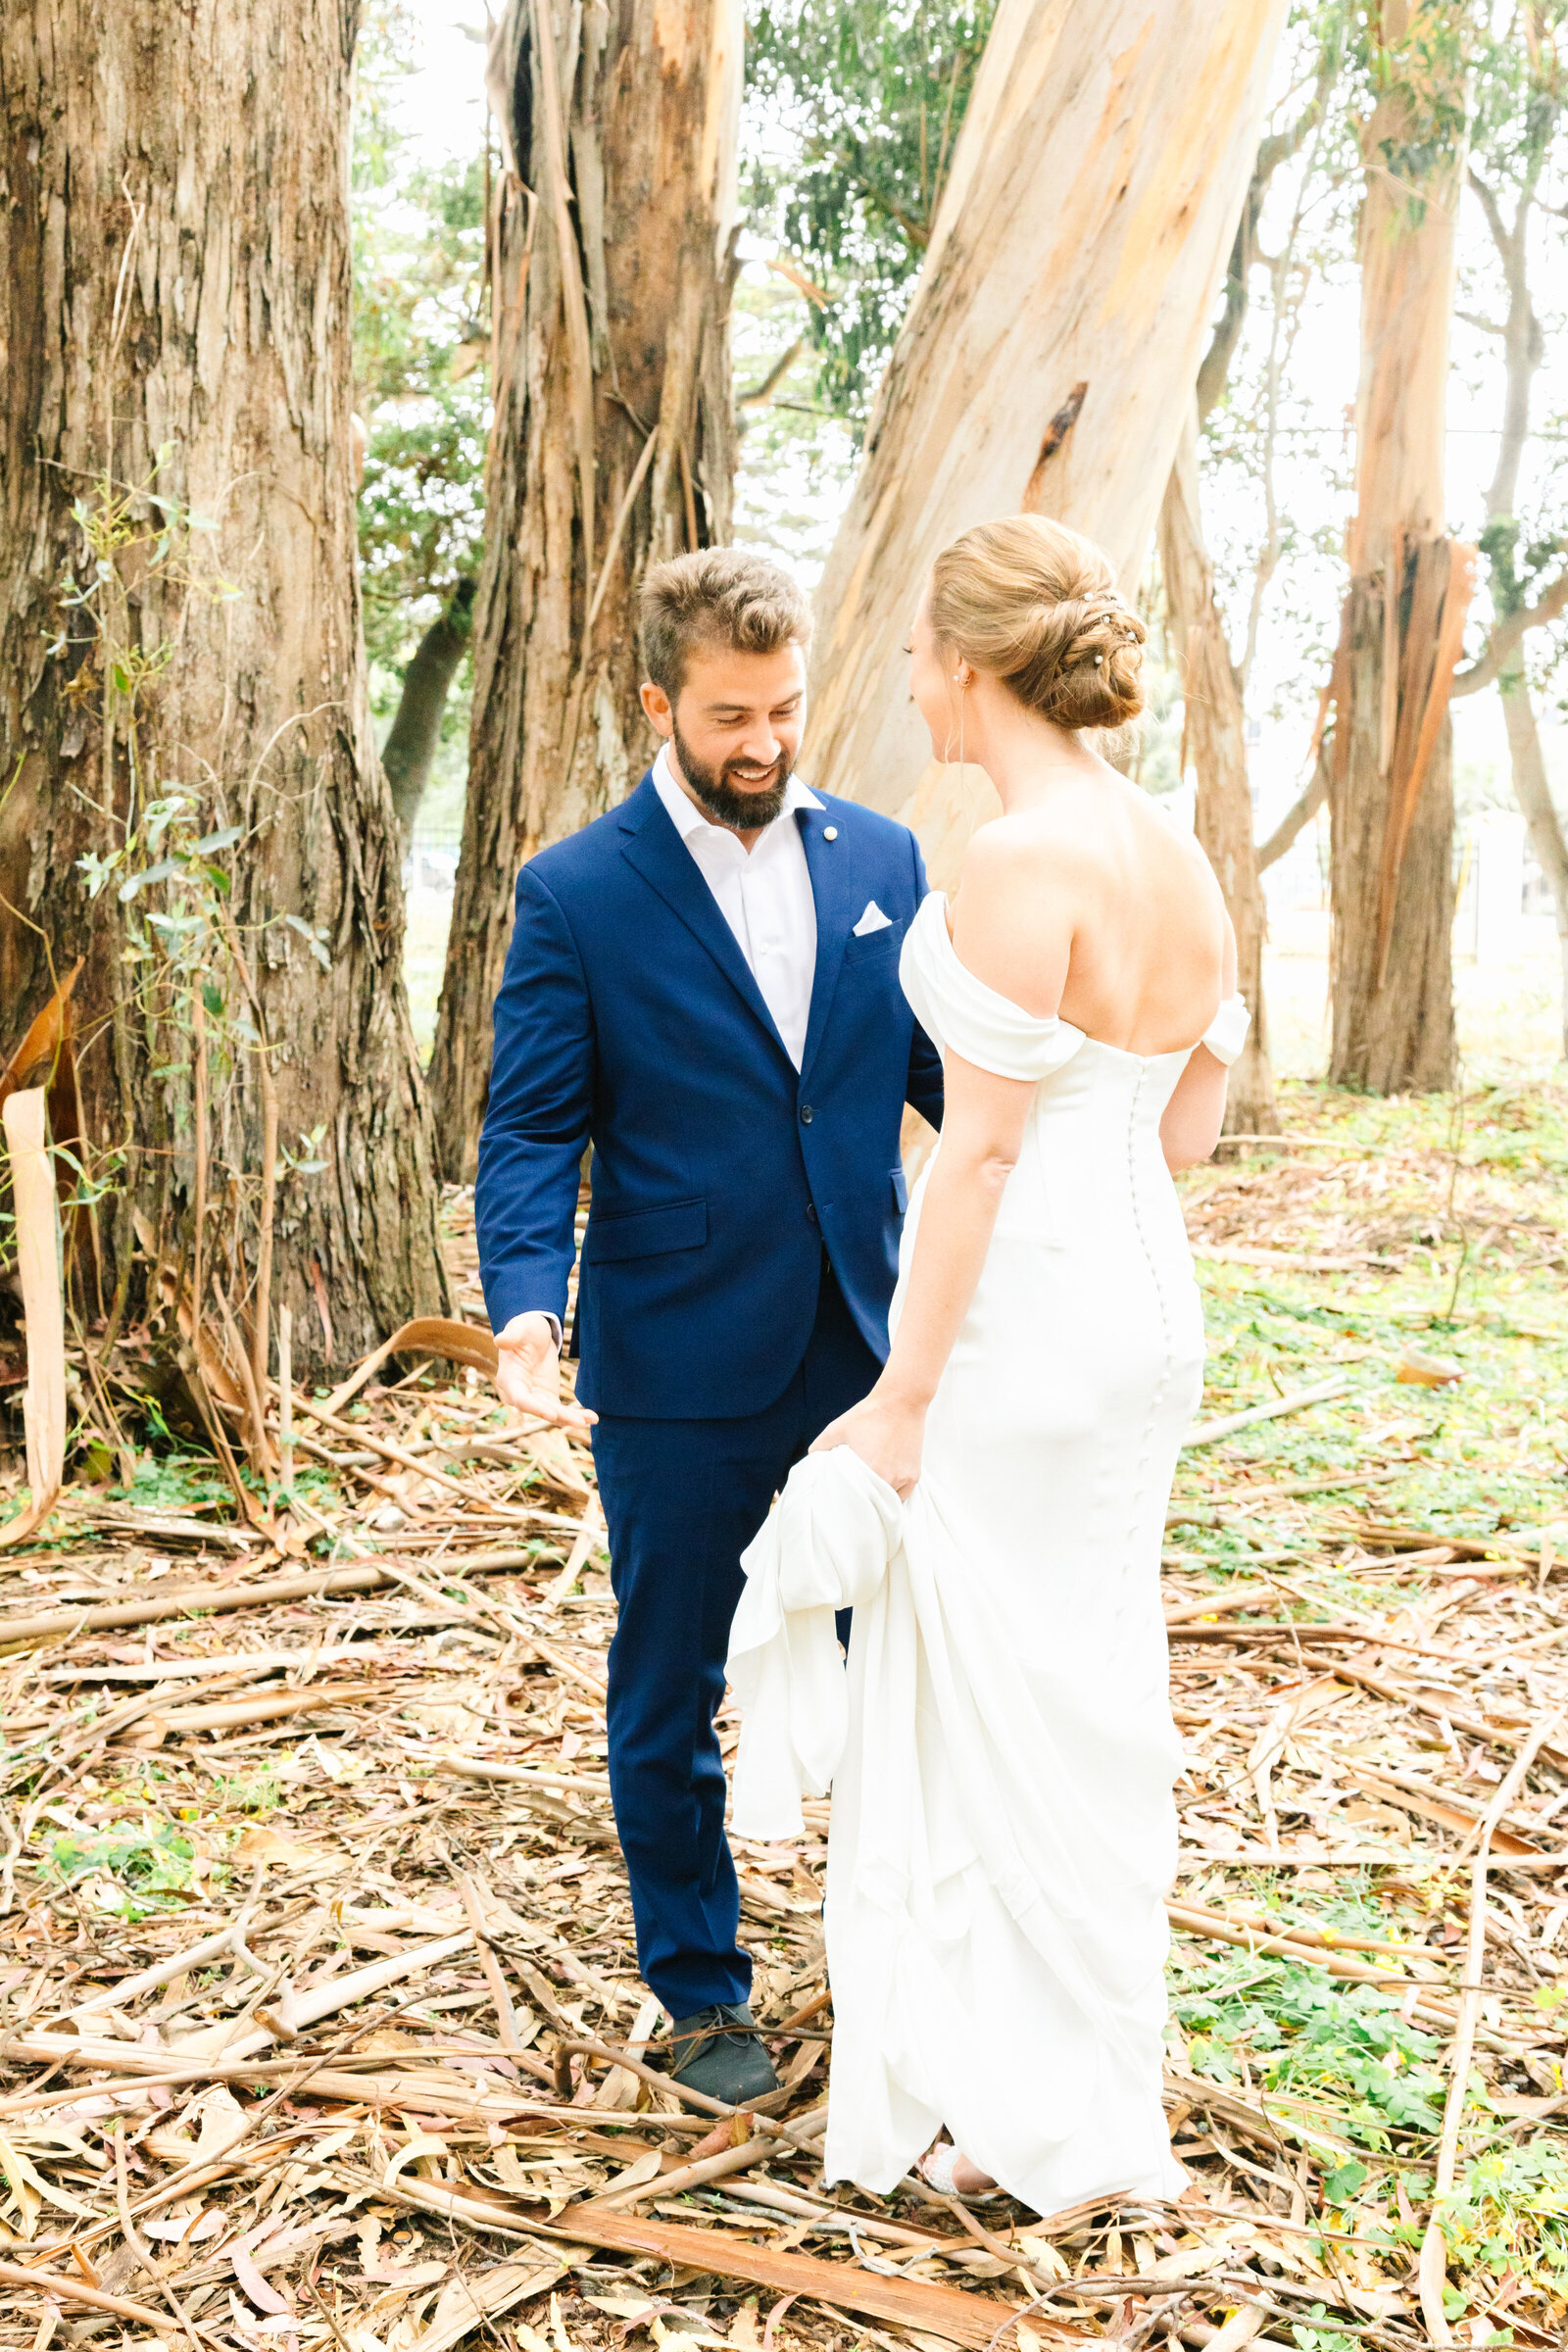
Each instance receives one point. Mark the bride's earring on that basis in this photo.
(963, 691)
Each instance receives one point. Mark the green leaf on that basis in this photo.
(314, 940)
(210, 842)
(161, 873)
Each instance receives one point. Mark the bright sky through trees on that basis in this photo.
(793, 487)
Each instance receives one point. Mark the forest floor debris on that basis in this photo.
(320, 2020)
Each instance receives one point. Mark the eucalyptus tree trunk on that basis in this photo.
(1391, 789)
(1214, 717)
(1533, 791)
(409, 752)
(1524, 349)
(612, 445)
(195, 809)
(1080, 242)
(1214, 740)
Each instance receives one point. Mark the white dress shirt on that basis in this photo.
(763, 894)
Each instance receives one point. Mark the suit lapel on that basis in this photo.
(830, 865)
(653, 846)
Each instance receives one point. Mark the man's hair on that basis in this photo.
(716, 596)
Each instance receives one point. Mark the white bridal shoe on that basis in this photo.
(938, 2168)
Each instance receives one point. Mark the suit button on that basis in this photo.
(811, 1212)
(807, 1114)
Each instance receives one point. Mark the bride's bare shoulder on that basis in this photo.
(1012, 914)
(1024, 844)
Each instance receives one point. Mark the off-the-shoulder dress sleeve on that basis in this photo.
(1226, 1033)
(960, 1012)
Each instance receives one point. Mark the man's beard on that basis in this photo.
(727, 805)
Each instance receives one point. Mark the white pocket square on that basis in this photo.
(873, 919)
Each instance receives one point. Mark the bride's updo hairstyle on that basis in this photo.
(1036, 606)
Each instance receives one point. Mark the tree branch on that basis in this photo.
(757, 393)
(1507, 635)
(1300, 816)
(1492, 209)
(1272, 152)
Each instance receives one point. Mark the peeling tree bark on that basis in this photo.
(1081, 239)
(174, 311)
(1214, 740)
(1390, 792)
(613, 441)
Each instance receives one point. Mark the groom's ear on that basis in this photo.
(657, 708)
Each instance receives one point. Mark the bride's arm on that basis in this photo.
(1196, 1113)
(982, 1131)
(1009, 902)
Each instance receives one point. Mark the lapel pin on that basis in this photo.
(830, 832)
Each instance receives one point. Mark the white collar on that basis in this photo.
(687, 818)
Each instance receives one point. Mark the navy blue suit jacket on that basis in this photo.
(629, 1018)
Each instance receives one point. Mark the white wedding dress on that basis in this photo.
(1004, 1831)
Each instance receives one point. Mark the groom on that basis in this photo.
(702, 985)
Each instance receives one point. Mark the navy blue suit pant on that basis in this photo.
(682, 1500)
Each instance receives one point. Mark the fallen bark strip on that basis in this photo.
(1207, 1430)
(1320, 1938)
(1447, 1813)
(1355, 1971)
(76, 2290)
(1316, 1629)
(224, 1712)
(1433, 2012)
(1406, 1695)
(768, 2194)
(1289, 1262)
(195, 2178)
(760, 2148)
(151, 1980)
(338, 1993)
(1390, 1537)
(489, 2296)
(1433, 2265)
(1217, 1604)
(168, 1530)
(429, 2092)
(1267, 2125)
(217, 1600)
(963, 2316)
(359, 1438)
(480, 1768)
(1354, 1858)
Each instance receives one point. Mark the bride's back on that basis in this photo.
(1115, 921)
(1082, 899)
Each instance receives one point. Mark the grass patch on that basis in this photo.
(133, 1870)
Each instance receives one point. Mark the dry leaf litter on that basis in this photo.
(317, 1958)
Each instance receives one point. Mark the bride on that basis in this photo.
(1003, 1827)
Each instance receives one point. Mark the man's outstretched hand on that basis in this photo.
(528, 1374)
